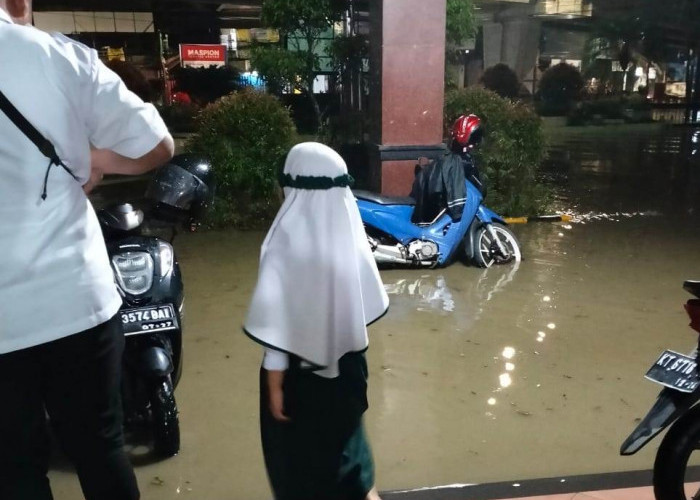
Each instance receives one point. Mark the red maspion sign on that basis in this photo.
(202, 55)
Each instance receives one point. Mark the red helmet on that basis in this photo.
(466, 131)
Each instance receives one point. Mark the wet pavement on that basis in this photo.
(534, 371)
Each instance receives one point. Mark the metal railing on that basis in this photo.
(674, 113)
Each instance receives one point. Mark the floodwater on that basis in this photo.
(475, 375)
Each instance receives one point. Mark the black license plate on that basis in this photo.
(148, 319)
(676, 371)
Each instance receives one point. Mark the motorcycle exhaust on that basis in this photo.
(386, 254)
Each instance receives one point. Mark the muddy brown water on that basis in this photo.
(475, 375)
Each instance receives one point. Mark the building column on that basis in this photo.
(407, 71)
(512, 37)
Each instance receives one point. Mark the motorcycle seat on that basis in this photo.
(383, 200)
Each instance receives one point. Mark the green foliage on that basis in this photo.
(345, 128)
(633, 33)
(304, 16)
(247, 136)
(460, 27)
(461, 21)
(559, 87)
(502, 80)
(205, 85)
(298, 20)
(512, 151)
(348, 53)
(280, 68)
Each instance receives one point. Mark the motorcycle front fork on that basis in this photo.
(494, 236)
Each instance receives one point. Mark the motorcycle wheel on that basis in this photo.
(165, 422)
(671, 463)
(486, 251)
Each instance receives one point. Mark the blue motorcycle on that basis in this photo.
(479, 237)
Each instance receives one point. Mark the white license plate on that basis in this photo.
(148, 319)
(676, 371)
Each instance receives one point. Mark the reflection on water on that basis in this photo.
(430, 293)
(582, 218)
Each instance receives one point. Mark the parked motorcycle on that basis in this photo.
(480, 236)
(148, 278)
(676, 407)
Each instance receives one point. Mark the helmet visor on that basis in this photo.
(173, 186)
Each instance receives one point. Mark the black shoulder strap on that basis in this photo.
(29, 130)
(41, 142)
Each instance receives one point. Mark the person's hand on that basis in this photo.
(96, 176)
(275, 399)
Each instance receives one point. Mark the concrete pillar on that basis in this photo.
(521, 38)
(407, 69)
(511, 36)
(493, 42)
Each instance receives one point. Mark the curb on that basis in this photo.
(538, 218)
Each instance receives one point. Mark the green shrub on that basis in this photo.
(502, 80)
(609, 107)
(559, 87)
(512, 151)
(638, 102)
(552, 108)
(247, 136)
(633, 108)
(579, 115)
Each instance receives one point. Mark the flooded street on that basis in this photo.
(475, 375)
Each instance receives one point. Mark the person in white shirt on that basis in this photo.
(60, 346)
(318, 288)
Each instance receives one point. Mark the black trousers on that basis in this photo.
(77, 381)
(323, 452)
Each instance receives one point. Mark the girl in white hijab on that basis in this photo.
(318, 288)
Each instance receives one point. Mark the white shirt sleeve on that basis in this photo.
(275, 360)
(119, 120)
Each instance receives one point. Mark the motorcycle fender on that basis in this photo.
(470, 237)
(154, 362)
(487, 215)
(669, 405)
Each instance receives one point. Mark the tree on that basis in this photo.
(652, 30)
(349, 54)
(461, 22)
(559, 87)
(639, 35)
(459, 28)
(300, 23)
(502, 80)
(279, 67)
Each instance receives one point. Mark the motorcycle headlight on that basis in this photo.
(134, 271)
(166, 258)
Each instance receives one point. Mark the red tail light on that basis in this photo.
(693, 309)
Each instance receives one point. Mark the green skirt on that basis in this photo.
(323, 453)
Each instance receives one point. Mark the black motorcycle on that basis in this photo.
(676, 404)
(148, 278)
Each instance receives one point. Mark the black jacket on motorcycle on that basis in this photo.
(440, 185)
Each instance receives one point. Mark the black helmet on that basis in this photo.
(183, 188)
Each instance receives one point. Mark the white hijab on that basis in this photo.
(318, 285)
